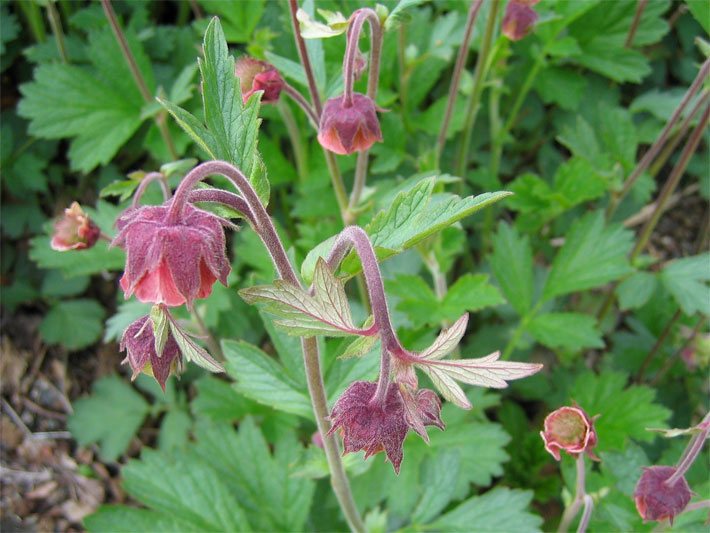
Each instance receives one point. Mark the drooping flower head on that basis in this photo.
(374, 426)
(171, 259)
(349, 127)
(657, 500)
(519, 18)
(569, 429)
(74, 231)
(139, 343)
(255, 75)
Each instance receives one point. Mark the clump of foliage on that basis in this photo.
(352, 163)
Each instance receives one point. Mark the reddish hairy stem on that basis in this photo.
(302, 103)
(579, 500)
(227, 198)
(314, 377)
(640, 6)
(691, 452)
(147, 180)
(305, 60)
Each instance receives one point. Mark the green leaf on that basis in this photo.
(687, 280)
(636, 290)
(500, 509)
(190, 349)
(124, 519)
(161, 327)
(111, 399)
(174, 430)
(191, 491)
(324, 312)
(77, 262)
(263, 483)
(126, 313)
(439, 474)
(414, 215)
(571, 331)
(218, 401)
(399, 14)
(512, 266)
(74, 324)
(262, 379)
(592, 255)
(234, 125)
(700, 9)
(99, 108)
(625, 413)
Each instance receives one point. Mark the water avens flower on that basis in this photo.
(347, 127)
(173, 255)
(519, 19)
(74, 230)
(657, 500)
(139, 343)
(255, 75)
(372, 424)
(569, 429)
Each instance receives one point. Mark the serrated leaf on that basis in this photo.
(126, 313)
(262, 379)
(624, 412)
(193, 351)
(263, 482)
(324, 312)
(124, 189)
(218, 401)
(77, 262)
(111, 399)
(439, 474)
(687, 280)
(512, 266)
(124, 519)
(571, 331)
(161, 327)
(592, 255)
(74, 324)
(500, 509)
(399, 14)
(360, 346)
(636, 290)
(190, 491)
(414, 215)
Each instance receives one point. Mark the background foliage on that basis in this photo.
(565, 115)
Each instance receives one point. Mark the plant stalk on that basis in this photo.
(691, 452)
(267, 232)
(640, 6)
(456, 77)
(478, 82)
(137, 76)
(657, 145)
(580, 498)
(55, 22)
(657, 345)
(294, 135)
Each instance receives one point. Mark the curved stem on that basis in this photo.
(579, 497)
(586, 514)
(302, 103)
(372, 83)
(137, 75)
(662, 137)
(147, 180)
(305, 60)
(227, 198)
(691, 452)
(267, 232)
(456, 77)
(478, 82)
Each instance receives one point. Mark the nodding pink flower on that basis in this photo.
(349, 127)
(139, 343)
(569, 429)
(255, 75)
(373, 426)
(655, 499)
(171, 260)
(74, 231)
(519, 18)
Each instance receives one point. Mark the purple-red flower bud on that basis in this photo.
(519, 18)
(569, 429)
(368, 425)
(656, 500)
(74, 231)
(139, 343)
(345, 129)
(171, 262)
(255, 75)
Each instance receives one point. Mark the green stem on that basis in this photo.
(456, 77)
(520, 329)
(55, 22)
(478, 83)
(34, 19)
(294, 135)
(137, 75)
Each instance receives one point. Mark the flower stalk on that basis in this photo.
(581, 498)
